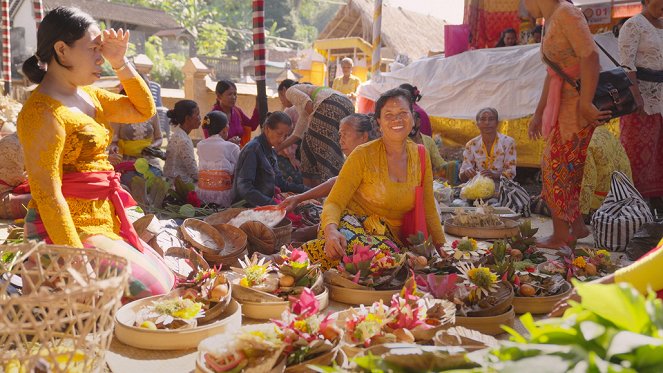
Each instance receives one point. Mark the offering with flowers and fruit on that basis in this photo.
(410, 316)
(423, 256)
(476, 291)
(310, 338)
(252, 348)
(209, 287)
(583, 263)
(365, 276)
(264, 288)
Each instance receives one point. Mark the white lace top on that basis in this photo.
(641, 45)
(180, 157)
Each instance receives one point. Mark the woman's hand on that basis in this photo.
(113, 148)
(335, 243)
(468, 174)
(290, 203)
(114, 46)
(535, 127)
(594, 116)
(235, 140)
(491, 174)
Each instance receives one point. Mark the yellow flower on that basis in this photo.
(301, 325)
(605, 253)
(482, 277)
(244, 282)
(580, 262)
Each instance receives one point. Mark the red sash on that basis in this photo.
(103, 185)
(22, 188)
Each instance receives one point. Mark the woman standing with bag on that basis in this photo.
(640, 49)
(565, 117)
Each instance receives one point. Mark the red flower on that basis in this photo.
(454, 244)
(530, 269)
(192, 199)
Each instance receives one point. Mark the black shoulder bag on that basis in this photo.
(613, 91)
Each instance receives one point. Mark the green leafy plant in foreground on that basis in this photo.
(613, 329)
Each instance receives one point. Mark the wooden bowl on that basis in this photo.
(357, 297)
(504, 294)
(231, 319)
(488, 325)
(203, 236)
(274, 310)
(507, 230)
(540, 305)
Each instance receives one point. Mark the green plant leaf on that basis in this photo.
(187, 211)
(591, 330)
(618, 304)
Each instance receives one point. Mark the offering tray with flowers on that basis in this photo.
(535, 293)
(367, 275)
(482, 301)
(171, 322)
(583, 263)
(410, 316)
(301, 336)
(263, 288)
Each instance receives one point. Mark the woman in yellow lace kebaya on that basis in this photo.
(64, 130)
(376, 188)
(490, 154)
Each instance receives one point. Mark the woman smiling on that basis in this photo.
(376, 188)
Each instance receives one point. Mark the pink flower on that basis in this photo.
(306, 305)
(454, 244)
(298, 256)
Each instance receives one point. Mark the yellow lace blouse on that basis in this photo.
(364, 187)
(58, 140)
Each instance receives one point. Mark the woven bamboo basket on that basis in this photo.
(223, 217)
(61, 307)
(236, 246)
(203, 236)
(267, 240)
(127, 333)
(540, 305)
(488, 325)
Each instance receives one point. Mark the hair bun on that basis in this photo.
(170, 114)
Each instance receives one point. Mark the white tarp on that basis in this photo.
(508, 79)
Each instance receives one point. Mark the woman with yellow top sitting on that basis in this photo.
(376, 188)
(348, 83)
(64, 129)
(490, 154)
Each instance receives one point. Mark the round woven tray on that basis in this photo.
(230, 319)
(203, 237)
(357, 297)
(273, 310)
(488, 325)
(540, 305)
(223, 217)
(236, 246)
(508, 230)
(267, 240)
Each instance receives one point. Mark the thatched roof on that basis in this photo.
(104, 10)
(404, 31)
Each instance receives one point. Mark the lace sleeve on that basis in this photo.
(43, 139)
(574, 27)
(629, 40)
(137, 106)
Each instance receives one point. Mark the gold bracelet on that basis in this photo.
(124, 66)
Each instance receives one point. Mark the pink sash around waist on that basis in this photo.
(553, 101)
